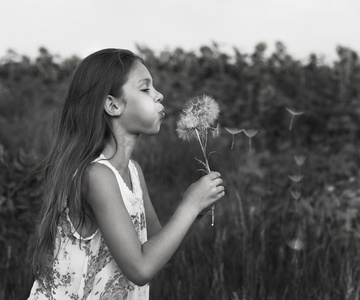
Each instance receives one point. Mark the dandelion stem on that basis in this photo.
(206, 139)
(207, 169)
(213, 215)
(199, 115)
(203, 151)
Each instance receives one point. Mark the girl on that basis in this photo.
(99, 236)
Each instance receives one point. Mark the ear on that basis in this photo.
(113, 106)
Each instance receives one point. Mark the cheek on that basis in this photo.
(145, 109)
(142, 111)
(141, 118)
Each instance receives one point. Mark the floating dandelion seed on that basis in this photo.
(196, 121)
(250, 133)
(293, 113)
(233, 132)
(235, 296)
(216, 131)
(296, 194)
(300, 159)
(296, 178)
(296, 244)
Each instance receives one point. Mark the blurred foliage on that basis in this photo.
(245, 254)
(253, 91)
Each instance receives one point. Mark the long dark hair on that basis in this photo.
(80, 135)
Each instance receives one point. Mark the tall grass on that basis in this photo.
(245, 255)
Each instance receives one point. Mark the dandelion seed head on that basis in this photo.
(199, 114)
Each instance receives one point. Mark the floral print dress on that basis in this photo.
(84, 269)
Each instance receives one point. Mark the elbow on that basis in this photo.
(140, 281)
(141, 276)
(139, 270)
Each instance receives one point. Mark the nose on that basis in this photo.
(159, 97)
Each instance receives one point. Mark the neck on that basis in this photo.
(120, 157)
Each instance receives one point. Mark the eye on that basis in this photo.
(145, 90)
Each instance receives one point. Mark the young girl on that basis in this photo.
(99, 236)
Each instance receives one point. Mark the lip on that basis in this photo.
(162, 114)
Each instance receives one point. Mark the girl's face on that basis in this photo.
(143, 111)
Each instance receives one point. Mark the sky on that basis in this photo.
(80, 27)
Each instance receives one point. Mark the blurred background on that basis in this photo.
(285, 74)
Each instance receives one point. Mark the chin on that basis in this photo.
(152, 131)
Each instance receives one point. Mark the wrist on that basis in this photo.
(188, 210)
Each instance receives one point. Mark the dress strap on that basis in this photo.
(135, 181)
(134, 176)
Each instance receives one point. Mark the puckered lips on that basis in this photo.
(162, 114)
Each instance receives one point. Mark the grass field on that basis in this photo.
(265, 243)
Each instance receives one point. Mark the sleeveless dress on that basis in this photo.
(84, 268)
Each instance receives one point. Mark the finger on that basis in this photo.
(220, 195)
(220, 189)
(216, 197)
(214, 175)
(218, 181)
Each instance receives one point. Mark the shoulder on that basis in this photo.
(98, 171)
(101, 181)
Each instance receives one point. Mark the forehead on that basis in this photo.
(138, 73)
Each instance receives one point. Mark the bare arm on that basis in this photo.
(152, 220)
(140, 262)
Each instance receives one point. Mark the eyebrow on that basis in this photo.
(145, 80)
